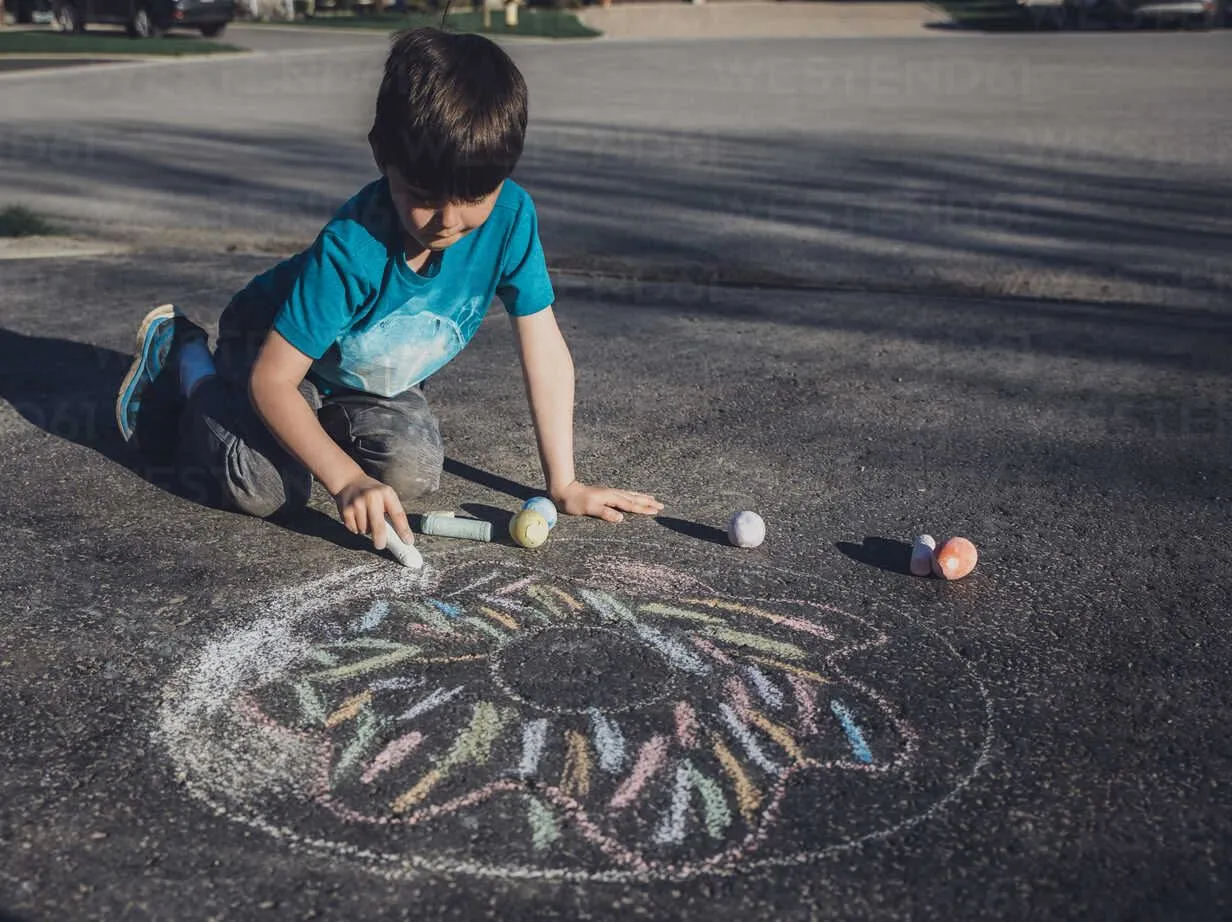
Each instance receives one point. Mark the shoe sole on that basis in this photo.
(161, 312)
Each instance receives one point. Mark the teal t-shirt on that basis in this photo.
(370, 322)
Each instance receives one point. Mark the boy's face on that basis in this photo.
(436, 225)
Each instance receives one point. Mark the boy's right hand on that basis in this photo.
(363, 505)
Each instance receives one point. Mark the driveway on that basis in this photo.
(737, 19)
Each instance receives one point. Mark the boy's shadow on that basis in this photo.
(495, 482)
(68, 389)
(882, 553)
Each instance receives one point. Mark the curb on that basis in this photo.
(12, 248)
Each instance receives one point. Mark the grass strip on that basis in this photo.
(20, 221)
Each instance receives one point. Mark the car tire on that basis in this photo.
(67, 18)
(143, 25)
(213, 30)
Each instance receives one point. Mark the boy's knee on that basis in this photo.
(264, 505)
(409, 460)
(255, 485)
(399, 445)
(228, 456)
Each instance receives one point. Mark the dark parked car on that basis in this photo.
(27, 11)
(145, 18)
(1081, 14)
(1194, 14)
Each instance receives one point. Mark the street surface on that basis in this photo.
(871, 288)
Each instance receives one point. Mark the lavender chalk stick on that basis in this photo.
(922, 555)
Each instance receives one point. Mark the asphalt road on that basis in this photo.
(1000, 312)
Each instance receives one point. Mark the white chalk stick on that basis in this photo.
(406, 554)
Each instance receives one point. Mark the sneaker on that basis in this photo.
(147, 407)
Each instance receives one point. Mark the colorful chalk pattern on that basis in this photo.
(390, 718)
(415, 722)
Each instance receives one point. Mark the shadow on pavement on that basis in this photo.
(882, 553)
(316, 524)
(845, 201)
(721, 205)
(693, 529)
(487, 479)
(68, 390)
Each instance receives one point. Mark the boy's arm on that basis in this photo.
(363, 502)
(547, 369)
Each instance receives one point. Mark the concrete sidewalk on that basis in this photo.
(763, 20)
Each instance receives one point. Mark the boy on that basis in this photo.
(319, 365)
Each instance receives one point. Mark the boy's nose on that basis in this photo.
(450, 217)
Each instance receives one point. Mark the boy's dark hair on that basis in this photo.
(450, 114)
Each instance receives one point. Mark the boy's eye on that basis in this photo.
(411, 192)
(421, 200)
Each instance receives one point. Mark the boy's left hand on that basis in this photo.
(603, 502)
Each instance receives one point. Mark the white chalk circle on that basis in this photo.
(599, 717)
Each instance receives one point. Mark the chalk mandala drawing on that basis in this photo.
(626, 722)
